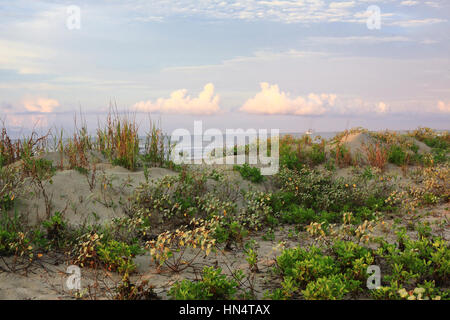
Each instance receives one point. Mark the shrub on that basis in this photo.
(296, 214)
(12, 151)
(317, 154)
(169, 248)
(257, 211)
(316, 275)
(93, 250)
(11, 186)
(173, 196)
(213, 286)
(334, 287)
(249, 173)
(127, 290)
(397, 156)
(230, 231)
(55, 227)
(419, 260)
(305, 266)
(118, 256)
(439, 155)
(353, 259)
(322, 192)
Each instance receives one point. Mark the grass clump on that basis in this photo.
(249, 173)
(397, 156)
(119, 140)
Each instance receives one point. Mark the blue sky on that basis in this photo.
(253, 64)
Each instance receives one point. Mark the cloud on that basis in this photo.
(42, 105)
(340, 5)
(417, 22)
(179, 102)
(284, 11)
(358, 40)
(443, 107)
(22, 57)
(271, 101)
(409, 3)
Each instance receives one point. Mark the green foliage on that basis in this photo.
(340, 270)
(397, 155)
(249, 173)
(437, 142)
(118, 256)
(11, 186)
(119, 140)
(251, 255)
(317, 154)
(14, 238)
(55, 227)
(173, 196)
(38, 168)
(416, 261)
(322, 192)
(213, 286)
(334, 287)
(94, 250)
(229, 231)
(353, 259)
(289, 159)
(314, 274)
(304, 266)
(257, 211)
(440, 144)
(440, 155)
(298, 215)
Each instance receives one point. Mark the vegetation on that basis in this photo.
(249, 173)
(331, 212)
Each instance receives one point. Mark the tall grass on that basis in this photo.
(377, 154)
(12, 151)
(119, 139)
(158, 148)
(78, 146)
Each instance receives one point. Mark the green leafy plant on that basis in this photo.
(213, 286)
(249, 173)
(397, 155)
(334, 287)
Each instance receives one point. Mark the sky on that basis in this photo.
(284, 64)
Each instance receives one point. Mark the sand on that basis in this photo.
(70, 193)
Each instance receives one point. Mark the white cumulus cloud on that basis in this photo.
(443, 107)
(43, 105)
(270, 100)
(180, 102)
